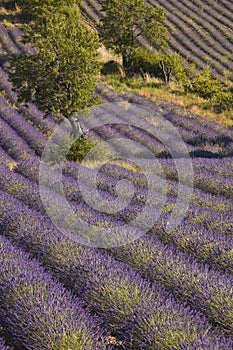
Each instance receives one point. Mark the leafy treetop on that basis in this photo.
(125, 21)
(61, 78)
(37, 9)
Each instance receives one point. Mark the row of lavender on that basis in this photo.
(3, 345)
(37, 311)
(191, 122)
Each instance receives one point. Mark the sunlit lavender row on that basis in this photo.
(112, 289)
(28, 291)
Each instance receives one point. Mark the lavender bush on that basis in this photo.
(37, 311)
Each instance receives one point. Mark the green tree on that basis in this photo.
(172, 67)
(36, 9)
(125, 21)
(61, 78)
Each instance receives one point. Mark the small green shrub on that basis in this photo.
(223, 101)
(142, 61)
(204, 84)
(80, 148)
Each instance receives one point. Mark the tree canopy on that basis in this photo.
(35, 9)
(125, 21)
(61, 78)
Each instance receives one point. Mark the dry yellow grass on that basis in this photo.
(12, 165)
(191, 103)
(156, 90)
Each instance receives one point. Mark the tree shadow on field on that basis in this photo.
(221, 148)
(10, 13)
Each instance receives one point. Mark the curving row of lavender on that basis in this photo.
(6, 41)
(189, 120)
(202, 35)
(163, 291)
(190, 236)
(121, 297)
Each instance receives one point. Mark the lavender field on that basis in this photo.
(201, 31)
(165, 290)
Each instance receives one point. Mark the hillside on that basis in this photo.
(131, 249)
(201, 31)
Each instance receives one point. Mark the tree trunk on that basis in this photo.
(126, 64)
(161, 64)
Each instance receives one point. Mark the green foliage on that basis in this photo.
(125, 21)
(80, 148)
(172, 66)
(142, 61)
(38, 9)
(111, 67)
(208, 87)
(61, 78)
(8, 4)
(223, 101)
(204, 84)
(169, 66)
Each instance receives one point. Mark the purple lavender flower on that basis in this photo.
(37, 310)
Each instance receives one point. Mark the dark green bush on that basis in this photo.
(111, 67)
(142, 61)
